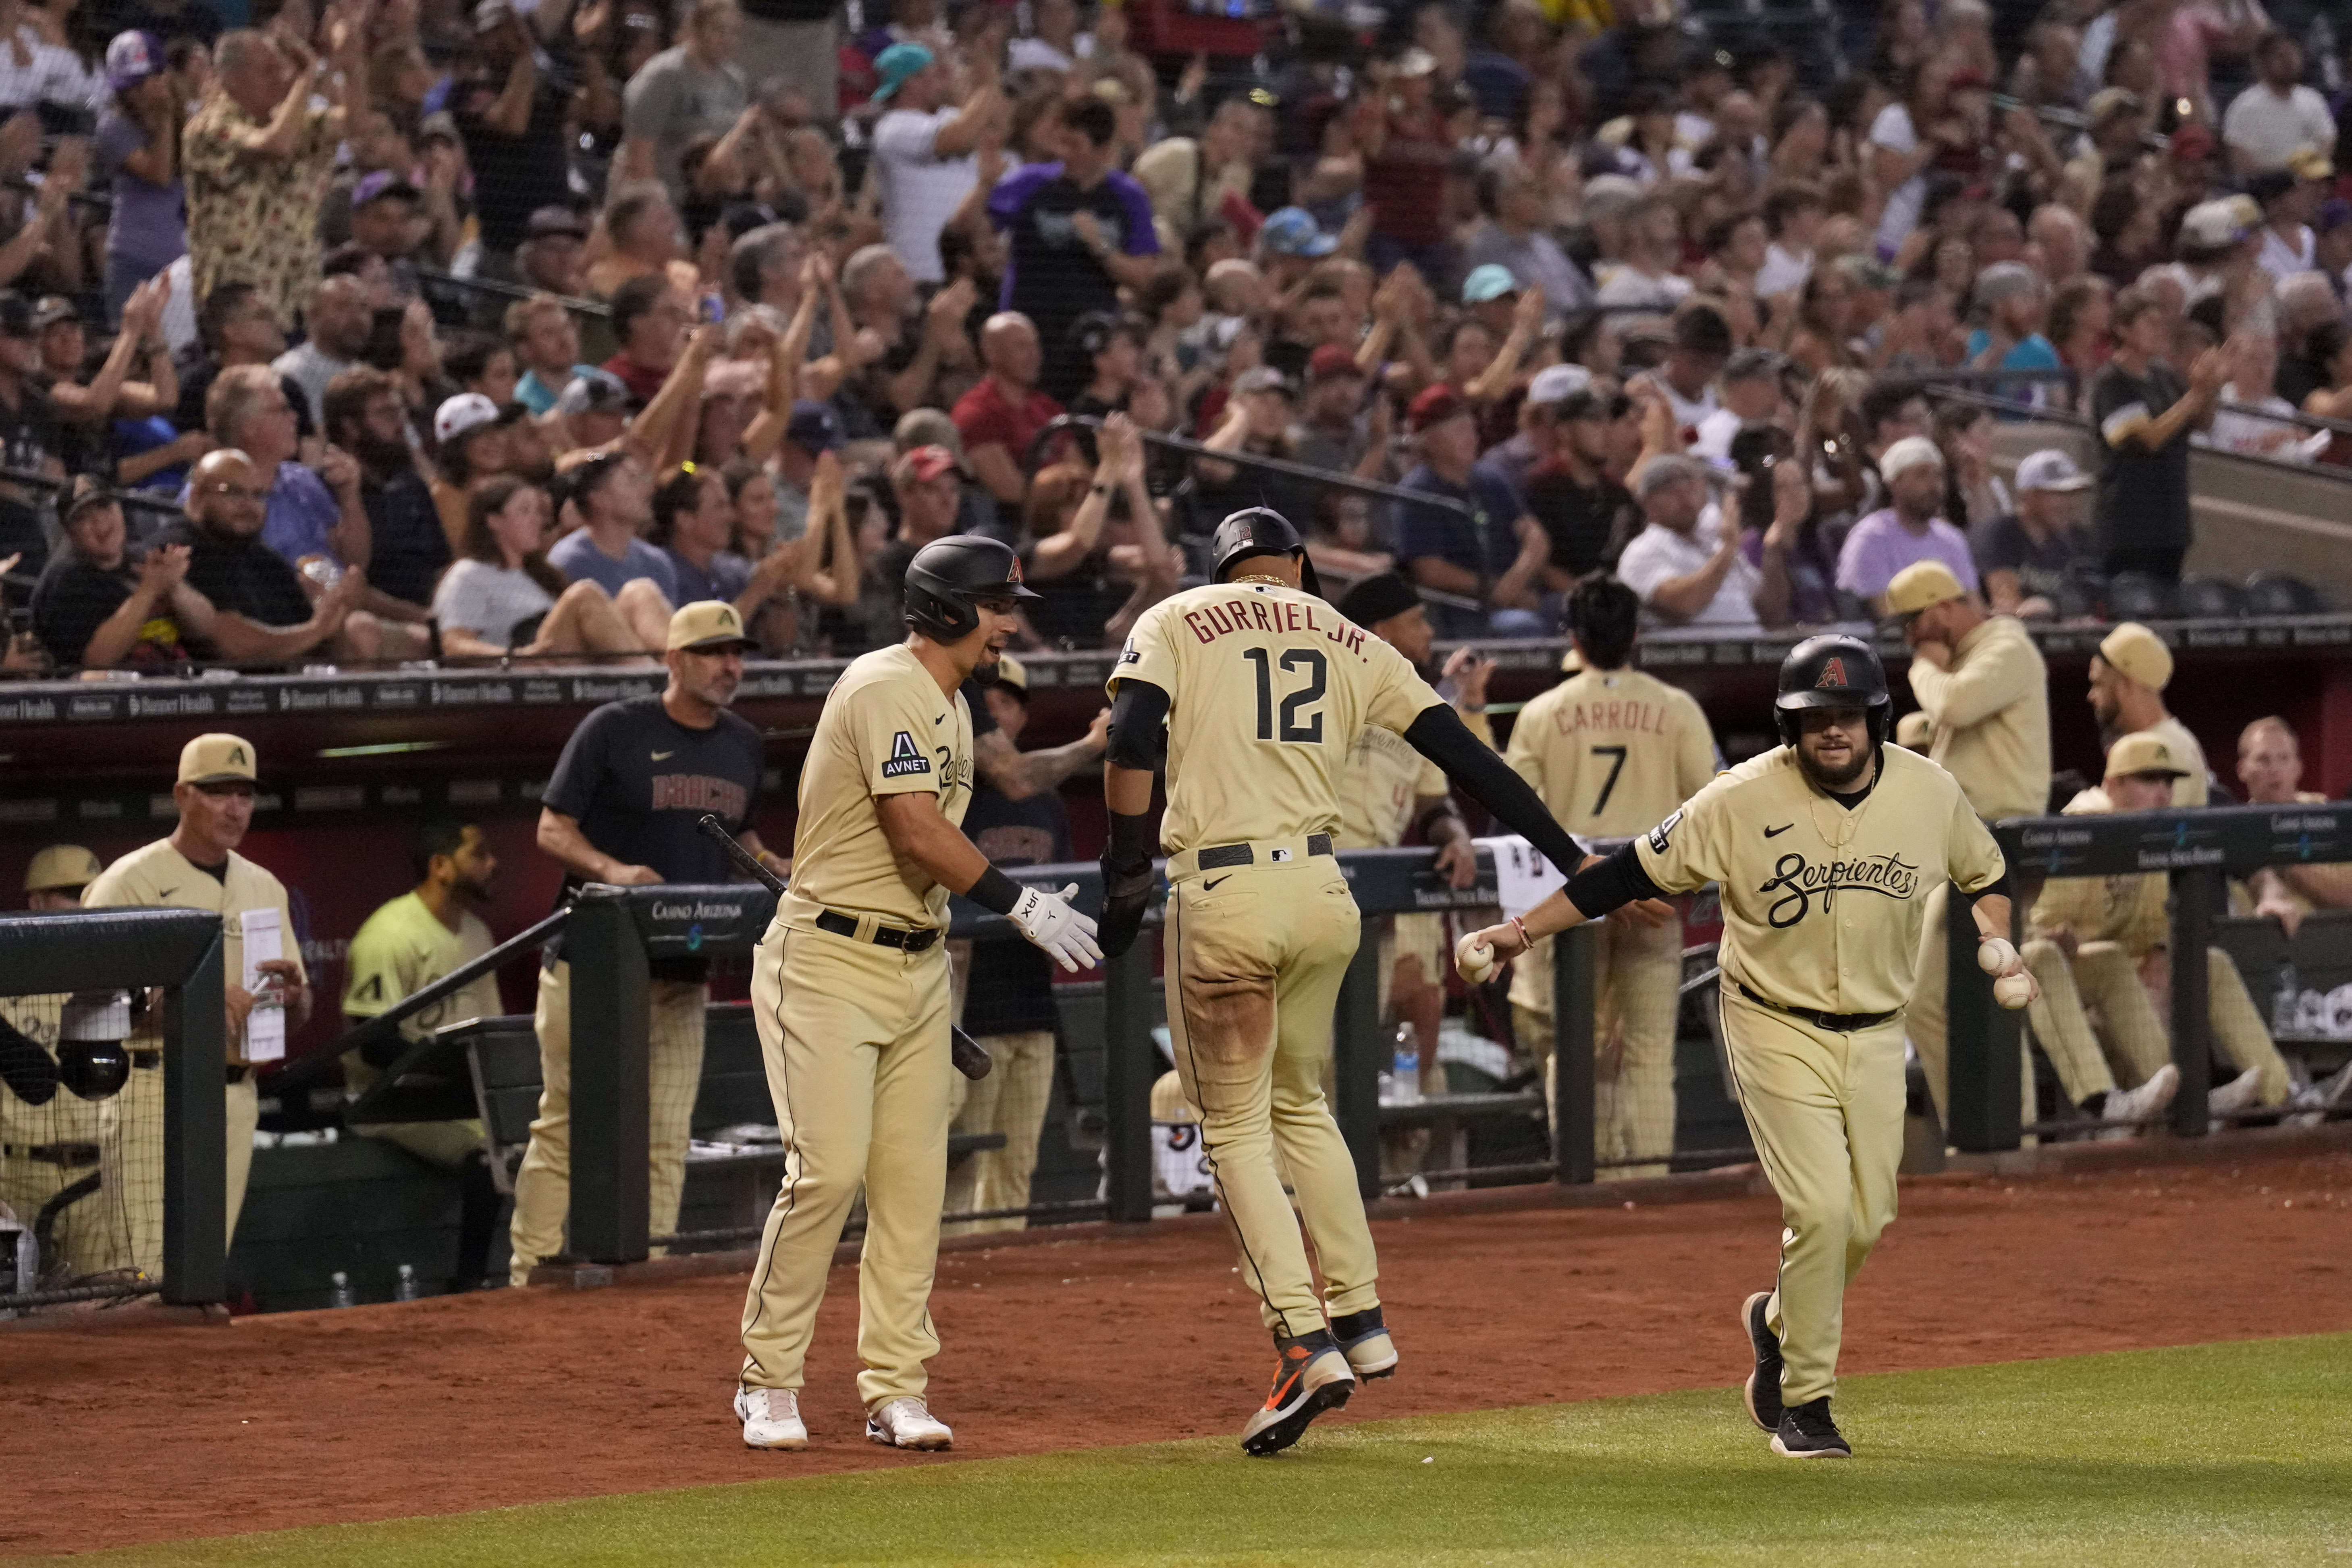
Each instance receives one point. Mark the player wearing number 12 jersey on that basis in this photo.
(1261, 689)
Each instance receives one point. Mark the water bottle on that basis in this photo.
(406, 1289)
(2288, 1000)
(1406, 1071)
(341, 1294)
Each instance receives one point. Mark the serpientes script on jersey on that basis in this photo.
(1800, 882)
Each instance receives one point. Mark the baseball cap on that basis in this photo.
(132, 59)
(815, 427)
(1922, 585)
(1261, 378)
(1909, 452)
(1558, 382)
(1011, 675)
(2005, 281)
(1610, 196)
(1378, 598)
(2050, 470)
(897, 65)
(706, 625)
(1435, 406)
(549, 222)
(2112, 100)
(216, 759)
(2310, 163)
(592, 391)
(87, 492)
(1660, 472)
(439, 125)
(462, 416)
(1292, 231)
(2213, 225)
(52, 310)
(923, 464)
(2142, 752)
(2137, 652)
(61, 866)
(380, 185)
(1491, 281)
(1330, 362)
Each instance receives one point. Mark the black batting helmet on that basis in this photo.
(1832, 672)
(948, 577)
(93, 1069)
(1261, 531)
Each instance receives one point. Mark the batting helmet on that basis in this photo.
(1261, 531)
(1832, 672)
(948, 577)
(93, 1069)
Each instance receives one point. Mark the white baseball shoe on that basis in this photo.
(770, 1417)
(2138, 1104)
(903, 1423)
(2243, 1092)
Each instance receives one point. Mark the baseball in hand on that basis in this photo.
(1474, 958)
(2013, 991)
(1996, 956)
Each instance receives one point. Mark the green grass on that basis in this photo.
(2232, 1453)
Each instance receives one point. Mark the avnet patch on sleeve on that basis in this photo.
(1658, 834)
(906, 757)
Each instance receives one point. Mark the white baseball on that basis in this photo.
(1474, 958)
(2013, 991)
(1996, 956)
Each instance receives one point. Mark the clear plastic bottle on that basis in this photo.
(406, 1289)
(1405, 1070)
(341, 1294)
(2288, 1000)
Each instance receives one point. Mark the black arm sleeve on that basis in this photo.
(1999, 888)
(1617, 881)
(1440, 735)
(1138, 715)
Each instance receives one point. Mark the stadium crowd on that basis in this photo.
(398, 329)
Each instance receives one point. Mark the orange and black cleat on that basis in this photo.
(1312, 1377)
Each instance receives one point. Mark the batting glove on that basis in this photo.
(1127, 894)
(1049, 922)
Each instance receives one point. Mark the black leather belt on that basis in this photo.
(884, 936)
(1240, 855)
(1836, 1023)
(66, 1154)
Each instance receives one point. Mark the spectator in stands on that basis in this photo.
(1002, 415)
(1749, 393)
(2290, 198)
(554, 242)
(2305, 303)
(693, 88)
(95, 608)
(1100, 557)
(250, 605)
(643, 239)
(1589, 516)
(2016, 307)
(1257, 422)
(2129, 675)
(2277, 116)
(1512, 235)
(546, 349)
(510, 116)
(138, 152)
(386, 212)
(694, 525)
(614, 499)
(925, 148)
(1910, 528)
(591, 412)
(1974, 494)
(471, 435)
(257, 156)
(340, 321)
(2253, 355)
(650, 325)
(2031, 557)
(102, 414)
(1336, 430)
(1193, 181)
(1494, 556)
(1687, 563)
(502, 597)
(247, 409)
(2145, 414)
(409, 547)
(237, 326)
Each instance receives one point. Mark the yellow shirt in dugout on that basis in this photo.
(2131, 909)
(1383, 779)
(1991, 716)
(1822, 906)
(886, 729)
(157, 876)
(403, 948)
(1268, 690)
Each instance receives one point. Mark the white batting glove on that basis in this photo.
(1051, 922)
(1474, 959)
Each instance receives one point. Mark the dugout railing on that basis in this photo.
(111, 997)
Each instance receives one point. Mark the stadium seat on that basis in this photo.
(2208, 599)
(2282, 594)
(2132, 596)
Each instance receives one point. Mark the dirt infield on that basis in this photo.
(521, 1396)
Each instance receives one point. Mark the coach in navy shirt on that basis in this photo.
(1496, 554)
(1078, 231)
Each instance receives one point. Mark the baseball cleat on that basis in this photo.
(903, 1423)
(1312, 1377)
(1763, 1388)
(770, 1417)
(1365, 1340)
(2142, 1102)
(2244, 1092)
(1806, 1432)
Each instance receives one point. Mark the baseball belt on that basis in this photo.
(884, 936)
(1835, 1023)
(1242, 855)
(69, 1155)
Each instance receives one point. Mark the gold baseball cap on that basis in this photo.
(2138, 653)
(1922, 585)
(216, 759)
(1009, 672)
(61, 866)
(2142, 752)
(706, 625)
(1914, 731)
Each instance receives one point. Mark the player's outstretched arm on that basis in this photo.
(919, 831)
(1439, 734)
(1600, 885)
(1137, 752)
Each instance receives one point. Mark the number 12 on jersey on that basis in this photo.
(1298, 721)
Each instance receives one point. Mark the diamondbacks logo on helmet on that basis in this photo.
(1015, 575)
(1833, 675)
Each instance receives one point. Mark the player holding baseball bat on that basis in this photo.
(1826, 849)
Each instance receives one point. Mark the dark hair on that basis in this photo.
(1885, 399)
(440, 836)
(1166, 286)
(489, 499)
(465, 355)
(1603, 615)
(681, 492)
(1579, 333)
(1091, 118)
(347, 397)
(1718, 238)
(2325, 341)
(2113, 209)
(636, 298)
(457, 457)
(1789, 200)
(219, 305)
(2071, 298)
(2130, 305)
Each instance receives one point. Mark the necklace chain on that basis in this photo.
(1260, 577)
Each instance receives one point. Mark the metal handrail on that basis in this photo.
(1326, 477)
(578, 307)
(2080, 422)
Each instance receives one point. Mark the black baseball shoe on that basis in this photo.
(1312, 1377)
(1763, 1389)
(1365, 1339)
(1807, 1432)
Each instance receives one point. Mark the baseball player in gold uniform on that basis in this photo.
(851, 996)
(198, 867)
(1985, 692)
(50, 1141)
(1262, 689)
(1610, 751)
(2129, 675)
(1825, 849)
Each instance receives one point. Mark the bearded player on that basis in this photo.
(1825, 849)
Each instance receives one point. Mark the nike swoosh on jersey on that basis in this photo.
(1775, 832)
(665, 756)
(165, 892)
(940, 720)
(1206, 887)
